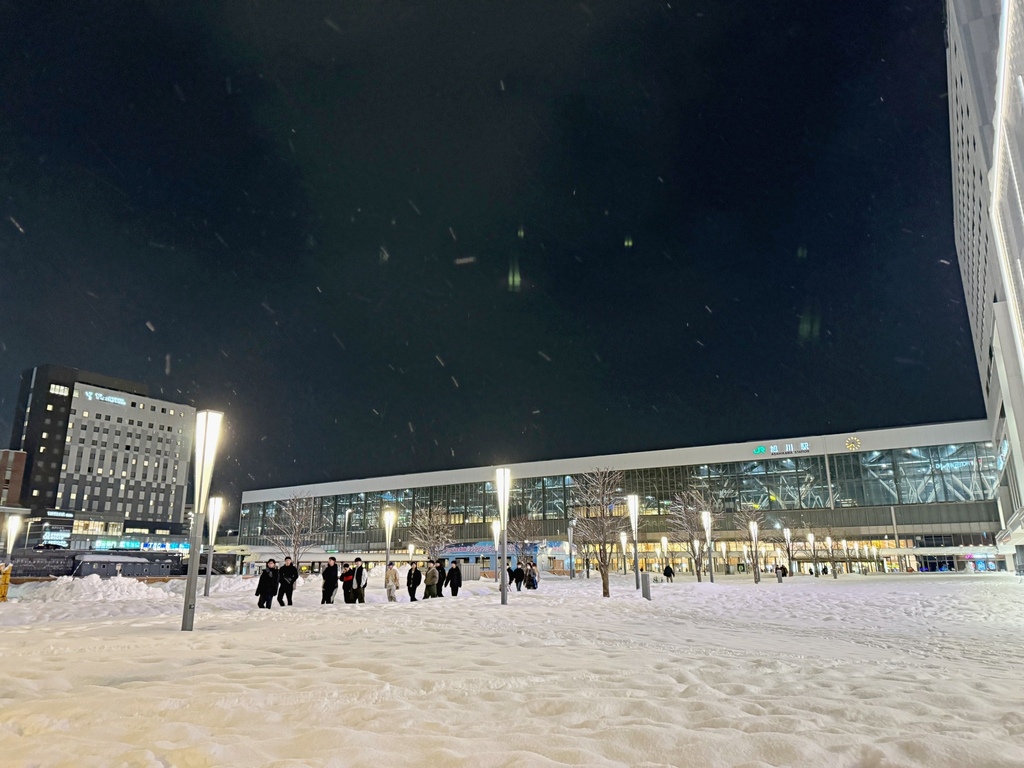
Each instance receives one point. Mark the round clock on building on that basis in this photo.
(852, 443)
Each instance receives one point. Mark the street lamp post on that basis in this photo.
(846, 557)
(814, 553)
(208, 424)
(706, 519)
(13, 524)
(503, 482)
(753, 539)
(789, 548)
(664, 548)
(412, 549)
(831, 556)
(389, 526)
(622, 545)
(215, 506)
(344, 545)
(634, 518)
(496, 530)
(572, 570)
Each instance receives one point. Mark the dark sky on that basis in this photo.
(305, 214)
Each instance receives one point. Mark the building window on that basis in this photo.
(59, 389)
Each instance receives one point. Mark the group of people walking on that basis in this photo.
(352, 580)
(434, 578)
(527, 575)
(278, 582)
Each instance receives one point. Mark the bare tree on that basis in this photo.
(295, 524)
(431, 531)
(745, 519)
(521, 531)
(686, 523)
(596, 499)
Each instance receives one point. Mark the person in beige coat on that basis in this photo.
(391, 582)
(430, 582)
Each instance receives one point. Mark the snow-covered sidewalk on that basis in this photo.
(863, 671)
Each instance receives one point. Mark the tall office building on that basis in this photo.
(985, 66)
(100, 451)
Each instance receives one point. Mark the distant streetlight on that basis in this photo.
(215, 506)
(13, 525)
(344, 545)
(389, 526)
(622, 543)
(789, 548)
(814, 553)
(706, 519)
(412, 548)
(664, 548)
(496, 530)
(634, 518)
(846, 556)
(697, 559)
(503, 483)
(208, 424)
(570, 527)
(831, 556)
(753, 539)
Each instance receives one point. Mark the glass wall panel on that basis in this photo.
(403, 505)
(919, 480)
(554, 498)
(532, 499)
(327, 512)
(475, 502)
(374, 505)
(357, 518)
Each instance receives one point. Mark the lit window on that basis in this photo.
(60, 389)
(35, 492)
(49, 407)
(85, 414)
(45, 435)
(42, 449)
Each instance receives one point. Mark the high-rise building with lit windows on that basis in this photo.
(100, 451)
(985, 67)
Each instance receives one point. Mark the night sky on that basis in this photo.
(729, 220)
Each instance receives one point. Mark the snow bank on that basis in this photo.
(91, 589)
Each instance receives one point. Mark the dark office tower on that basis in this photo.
(101, 449)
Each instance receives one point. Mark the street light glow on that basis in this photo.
(13, 526)
(502, 484)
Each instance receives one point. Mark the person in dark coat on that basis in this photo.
(287, 574)
(518, 575)
(454, 578)
(412, 581)
(267, 587)
(348, 583)
(511, 576)
(669, 573)
(330, 586)
(441, 575)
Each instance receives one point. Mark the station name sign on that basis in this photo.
(782, 449)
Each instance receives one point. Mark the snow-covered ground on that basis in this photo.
(918, 670)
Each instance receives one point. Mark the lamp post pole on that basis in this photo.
(622, 546)
(572, 524)
(634, 518)
(706, 519)
(208, 424)
(412, 549)
(846, 557)
(389, 526)
(503, 481)
(664, 548)
(496, 530)
(215, 505)
(344, 545)
(789, 549)
(814, 553)
(831, 556)
(757, 563)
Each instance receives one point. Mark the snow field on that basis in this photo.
(863, 671)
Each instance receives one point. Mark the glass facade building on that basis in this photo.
(924, 484)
